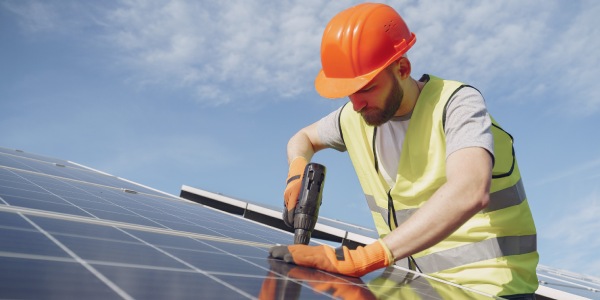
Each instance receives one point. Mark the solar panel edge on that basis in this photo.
(271, 216)
(129, 181)
(220, 200)
(544, 290)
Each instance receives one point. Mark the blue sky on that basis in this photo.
(207, 94)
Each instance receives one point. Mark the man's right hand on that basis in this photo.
(292, 189)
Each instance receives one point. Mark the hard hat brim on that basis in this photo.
(333, 88)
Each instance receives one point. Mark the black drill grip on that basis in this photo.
(309, 202)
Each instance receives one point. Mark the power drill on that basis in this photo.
(309, 201)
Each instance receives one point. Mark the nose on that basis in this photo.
(357, 103)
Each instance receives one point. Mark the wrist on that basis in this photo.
(298, 160)
(297, 166)
(388, 253)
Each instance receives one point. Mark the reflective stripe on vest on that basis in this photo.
(421, 286)
(479, 251)
(501, 199)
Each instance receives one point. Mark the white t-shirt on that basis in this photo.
(468, 124)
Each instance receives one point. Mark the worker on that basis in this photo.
(438, 172)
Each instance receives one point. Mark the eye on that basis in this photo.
(367, 89)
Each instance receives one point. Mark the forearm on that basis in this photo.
(465, 193)
(433, 222)
(299, 145)
(300, 150)
(304, 143)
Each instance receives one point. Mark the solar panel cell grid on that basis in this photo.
(66, 232)
(67, 170)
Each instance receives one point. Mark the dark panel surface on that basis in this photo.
(67, 232)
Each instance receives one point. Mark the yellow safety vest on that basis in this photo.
(495, 251)
(396, 283)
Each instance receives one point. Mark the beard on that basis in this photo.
(376, 116)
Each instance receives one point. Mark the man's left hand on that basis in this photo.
(286, 281)
(355, 263)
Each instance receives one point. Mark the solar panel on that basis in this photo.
(326, 229)
(569, 284)
(68, 231)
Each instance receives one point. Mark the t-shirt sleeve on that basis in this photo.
(329, 131)
(468, 123)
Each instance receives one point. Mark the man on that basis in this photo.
(439, 174)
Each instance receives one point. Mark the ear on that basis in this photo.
(404, 67)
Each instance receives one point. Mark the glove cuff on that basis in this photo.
(390, 257)
(297, 167)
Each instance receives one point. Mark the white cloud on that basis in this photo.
(213, 93)
(48, 18)
(576, 228)
(526, 51)
(585, 171)
(479, 40)
(576, 57)
(246, 46)
(34, 16)
(240, 50)
(579, 224)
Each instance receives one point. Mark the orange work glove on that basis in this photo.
(355, 263)
(337, 287)
(288, 281)
(292, 189)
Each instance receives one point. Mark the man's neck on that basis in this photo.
(412, 89)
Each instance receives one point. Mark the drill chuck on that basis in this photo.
(309, 202)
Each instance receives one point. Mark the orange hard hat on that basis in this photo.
(357, 44)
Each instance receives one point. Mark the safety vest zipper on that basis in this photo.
(392, 219)
(393, 222)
